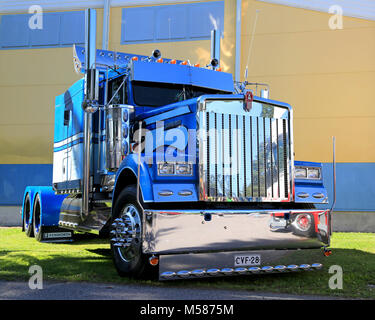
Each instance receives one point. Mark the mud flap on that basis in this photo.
(56, 234)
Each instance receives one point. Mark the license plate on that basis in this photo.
(247, 260)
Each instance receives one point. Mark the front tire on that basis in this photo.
(126, 237)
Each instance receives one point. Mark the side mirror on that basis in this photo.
(66, 117)
(90, 104)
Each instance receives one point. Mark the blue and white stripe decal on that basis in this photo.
(67, 140)
(72, 141)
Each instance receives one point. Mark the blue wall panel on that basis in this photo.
(180, 22)
(14, 31)
(72, 28)
(355, 186)
(204, 17)
(171, 23)
(49, 34)
(15, 177)
(137, 25)
(59, 29)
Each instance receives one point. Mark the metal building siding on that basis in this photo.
(58, 29)
(180, 22)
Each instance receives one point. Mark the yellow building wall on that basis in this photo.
(328, 76)
(29, 82)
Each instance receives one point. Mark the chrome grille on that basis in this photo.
(243, 156)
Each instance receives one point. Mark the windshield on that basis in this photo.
(153, 94)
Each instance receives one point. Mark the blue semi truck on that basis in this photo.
(187, 172)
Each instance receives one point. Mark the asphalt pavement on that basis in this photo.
(10, 290)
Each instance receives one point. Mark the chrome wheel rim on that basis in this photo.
(129, 233)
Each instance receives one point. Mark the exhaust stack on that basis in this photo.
(215, 49)
(90, 104)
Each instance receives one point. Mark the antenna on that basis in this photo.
(251, 43)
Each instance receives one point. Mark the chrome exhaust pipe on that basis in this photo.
(89, 105)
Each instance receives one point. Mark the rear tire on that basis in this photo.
(27, 225)
(130, 261)
(37, 225)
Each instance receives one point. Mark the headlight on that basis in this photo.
(300, 173)
(181, 168)
(313, 173)
(307, 173)
(166, 169)
(184, 169)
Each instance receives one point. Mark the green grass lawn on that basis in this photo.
(89, 259)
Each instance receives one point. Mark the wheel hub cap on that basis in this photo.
(126, 233)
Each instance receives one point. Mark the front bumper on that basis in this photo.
(202, 231)
(217, 264)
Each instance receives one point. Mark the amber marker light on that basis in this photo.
(154, 261)
(184, 63)
(159, 60)
(135, 58)
(173, 61)
(327, 253)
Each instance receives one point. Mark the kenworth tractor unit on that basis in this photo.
(187, 172)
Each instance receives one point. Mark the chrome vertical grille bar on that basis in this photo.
(234, 154)
(268, 156)
(212, 160)
(240, 158)
(248, 157)
(219, 156)
(203, 164)
(261, 158)
(275, 163)
(281, 154)
(226, 155)
(255, 163)
(286, 158)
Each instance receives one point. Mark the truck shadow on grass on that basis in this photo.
(95, 265)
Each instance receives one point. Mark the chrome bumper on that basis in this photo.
(193, 231)
(177, 266)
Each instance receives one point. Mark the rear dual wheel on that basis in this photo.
(32, 218)
(27, 224)
(37, 224)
